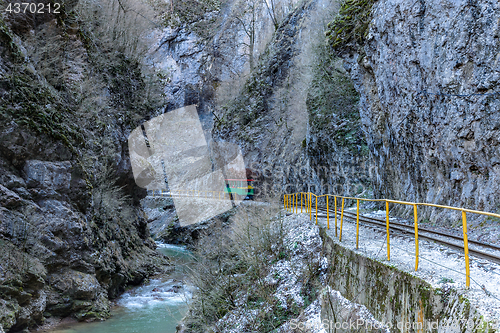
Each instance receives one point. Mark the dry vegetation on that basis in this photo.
(350, 27)
(200, 15)
(232, 275)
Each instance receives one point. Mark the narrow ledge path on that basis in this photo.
(440, 266)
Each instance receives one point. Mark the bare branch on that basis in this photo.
(272, 13)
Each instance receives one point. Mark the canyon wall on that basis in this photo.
(72, 233)
(428, 74)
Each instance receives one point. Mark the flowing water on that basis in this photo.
(155, 307)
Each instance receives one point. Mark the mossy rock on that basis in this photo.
(349, 28)
(7, 37)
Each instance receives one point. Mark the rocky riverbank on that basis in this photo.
(55, 259)
(72, 233)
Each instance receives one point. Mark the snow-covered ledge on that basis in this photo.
(433, 299)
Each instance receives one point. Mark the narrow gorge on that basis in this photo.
(366, 99)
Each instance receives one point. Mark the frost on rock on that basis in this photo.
(351, 317)
(309, 321)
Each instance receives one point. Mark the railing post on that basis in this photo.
(327, 214)
(310, 206)
(341, 219)
(316, 197)
(301, 195)
(308, 198)
(415, 223)
(387, 229)
(466, 249)
(296, 203)
(335, 198)
(304, 198)
(357, 223)
(307, 202)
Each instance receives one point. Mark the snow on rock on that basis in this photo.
(351, 317)
(309, 321)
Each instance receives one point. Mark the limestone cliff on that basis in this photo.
(294, 114)
(427, 73)
(72, 235)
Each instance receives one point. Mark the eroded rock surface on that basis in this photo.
(428, 80)
(72, 235)
(55, 260)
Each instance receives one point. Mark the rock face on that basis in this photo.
(428, 79)
(164, 224)
(56, 261)
(72, 234)
(295, 134)
(290, 127)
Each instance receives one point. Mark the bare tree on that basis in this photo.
(272, 10)
(247, 18)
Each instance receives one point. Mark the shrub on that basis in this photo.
(233, 264)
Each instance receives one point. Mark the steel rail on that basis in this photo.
(408, 203)
(289, 206)
(407, 229)
(437, 232)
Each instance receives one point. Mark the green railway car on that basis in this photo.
(241, 187)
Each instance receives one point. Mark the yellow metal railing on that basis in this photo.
(291, 206)
(192, 193)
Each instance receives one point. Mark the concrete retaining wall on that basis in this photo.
(401, 301)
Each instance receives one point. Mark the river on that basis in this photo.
(154, 307)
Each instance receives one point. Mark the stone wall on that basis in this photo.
(394, 298)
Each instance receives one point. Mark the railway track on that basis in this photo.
(425, 233)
